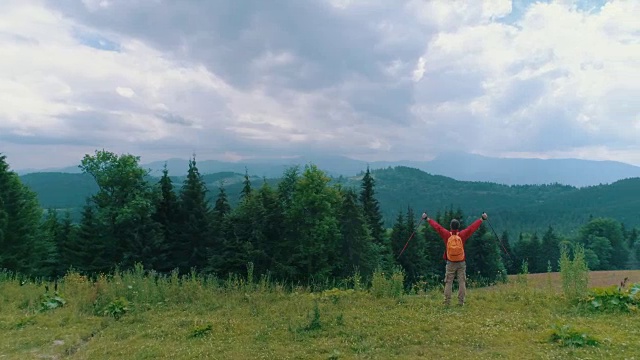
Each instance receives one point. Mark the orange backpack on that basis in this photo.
(455, 248)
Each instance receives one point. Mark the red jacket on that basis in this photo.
(464, 234)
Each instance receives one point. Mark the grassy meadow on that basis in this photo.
(136, 316)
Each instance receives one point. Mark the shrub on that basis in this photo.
(393, 286)
(117, 308)
(335, 294)
(613, 299)
(524, 272)
(50, 302)
(574, 273)
(565, 335)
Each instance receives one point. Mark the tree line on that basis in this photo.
(304, 229)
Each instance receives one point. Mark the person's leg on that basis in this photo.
(462, 280)
(450, 272)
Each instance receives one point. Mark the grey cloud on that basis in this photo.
(622, 103)
(83, 128)
(550, 127)
(519, 94)
(42, 139)
(339, 55)
(107, 101)
(174, 119)
(200, 102)
(330, 46)
(228, 35)
(89, 123)
(374, 101)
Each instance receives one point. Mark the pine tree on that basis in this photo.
(528, 249)
(287, 187)
(195, 229)
(63, 243)
(399, 233)
(146, 241)
(434, 252)
(636, 246)
(484, 263)
(246, 188)
(634, 236)
(88, 248)
(4, 219)
(222, 207)
(245, 242)
(220, 231)
(550, 249)
(273, 228)
(507, 255)
(24, 248)
(373, 215)
(52, 228)
(414, 260)
(167, 214)
(356, 248)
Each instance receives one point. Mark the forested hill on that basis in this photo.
(515, 208)
(511, 207)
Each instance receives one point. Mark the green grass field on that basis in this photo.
(196, 319)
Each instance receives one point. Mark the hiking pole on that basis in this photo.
(499, 241)
(413, 233)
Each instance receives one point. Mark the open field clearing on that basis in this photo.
(596, 278)
(133, 317)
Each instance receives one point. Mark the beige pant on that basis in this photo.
(452, 269)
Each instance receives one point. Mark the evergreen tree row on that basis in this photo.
(301, 230)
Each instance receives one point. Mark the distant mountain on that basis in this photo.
(460, 166)
(269, 168)
(66, 169)
(512, 171)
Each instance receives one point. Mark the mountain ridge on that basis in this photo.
(459, 166)
(514, 207)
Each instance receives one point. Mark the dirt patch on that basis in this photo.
(596, 278)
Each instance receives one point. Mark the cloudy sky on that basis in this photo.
(369, 79)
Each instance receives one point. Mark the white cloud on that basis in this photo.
(448, 15)
(125, 92)
(418, 72)
(56, 87)
(95, 5)
(495, 9)
(270, 60)
(382, 80)
(558, 70)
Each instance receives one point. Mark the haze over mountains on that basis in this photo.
(460, 166)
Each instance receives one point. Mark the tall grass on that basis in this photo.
(574, 272)
(137, 289)
(388, 285)
(142, 314)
